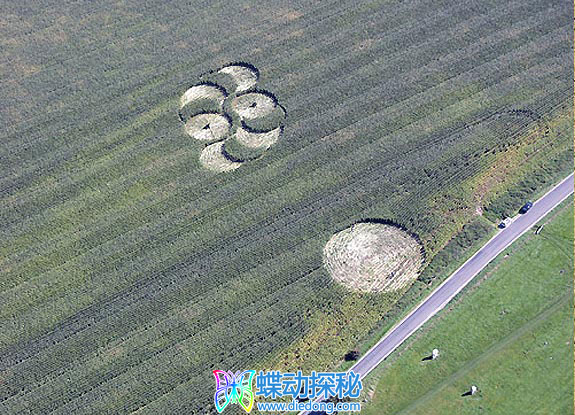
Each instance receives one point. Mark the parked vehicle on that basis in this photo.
(504, 223)
(526, 207)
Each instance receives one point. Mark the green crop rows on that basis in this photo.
(128, 272)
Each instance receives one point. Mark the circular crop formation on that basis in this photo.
(236, 121)
(373, 257)
(208, 127)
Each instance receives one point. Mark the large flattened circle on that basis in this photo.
(373, 257)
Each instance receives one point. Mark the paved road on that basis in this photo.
(460, 278)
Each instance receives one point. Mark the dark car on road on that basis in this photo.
(503, 224)
(526, 207)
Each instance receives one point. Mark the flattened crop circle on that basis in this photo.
(244, 75)
(203, 91)
(253, 104)
(373, 257)
(257, 140)
(208, 127)
(213, 158)
(244, 123)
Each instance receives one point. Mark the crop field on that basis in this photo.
(138, 252)
(520, 350)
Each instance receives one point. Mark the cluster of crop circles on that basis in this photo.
(235, 120)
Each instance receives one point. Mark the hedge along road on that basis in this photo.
(441, 296)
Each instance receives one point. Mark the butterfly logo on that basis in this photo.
(234, 388)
